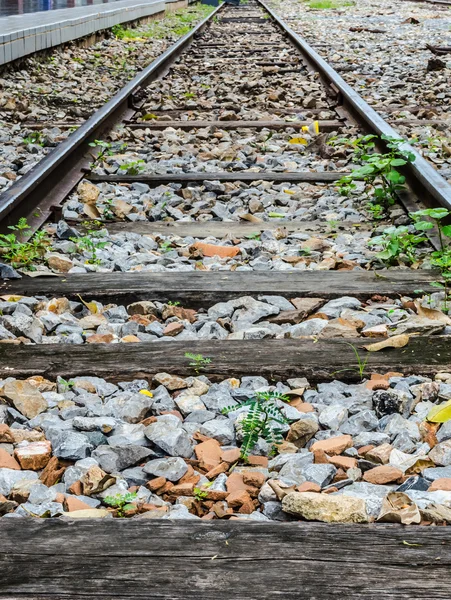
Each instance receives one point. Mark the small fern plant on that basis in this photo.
(262, 420)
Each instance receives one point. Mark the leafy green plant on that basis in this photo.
(378, 171)
(133, 167)
(262, 420)
(23, 254)
(200, 494)
(198, 361)
(396, 242)
(121, 503)
(35, 137)
(165, 246)
(175, 303)
(65, 385)
(437, 215)
(119, 32)
(440, 258)
(88, 243)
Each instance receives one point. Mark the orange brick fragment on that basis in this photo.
(343, 462)
(308, 486)
(221, 251)
(333, 446)
(156, 484)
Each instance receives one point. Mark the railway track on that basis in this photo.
(197, 212)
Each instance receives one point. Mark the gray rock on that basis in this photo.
(10, 477)
(40, 494)
(217, 398)
(371, 437)
(7, 272)
(249, 311)
(219, 429)
(162, 400)
(273, 510)
(441, 454)
(293, 469)
(394, 424)
(167, 433)
(69, 445)
(444, 433)
(103, 424)
(113, 459)
(279, 301)
(135, 476)
(187, 402)
(333, 416)
(130, 407)
(404, 443)
(310, 327)
(180, 511)
(371, 493)
(200, 416)
(365, 420)
(126, 434)
(322, 474)
(171, 468)
(75, 472)
(333, 308)
(52, 509)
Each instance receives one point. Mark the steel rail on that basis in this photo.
(35, 190)
(423, 178)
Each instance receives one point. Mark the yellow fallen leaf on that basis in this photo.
(91, 306)
(290, 192)
(440, 413)
(312, 128)
(298, 140)
(431, 313)
(397, 341)
(146, 393)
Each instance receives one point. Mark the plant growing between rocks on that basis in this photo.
(23, 254)
(262, 420)
(396, 243)
(121, 503)
(134, 167)
(378, 171)
(89, 244)
(197, 361)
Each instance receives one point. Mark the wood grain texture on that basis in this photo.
(221, 176)
(219, 229)
(324, 126)
(204, 288)
(278, 359)
(155, 560)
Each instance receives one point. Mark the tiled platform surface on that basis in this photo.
(21, 35)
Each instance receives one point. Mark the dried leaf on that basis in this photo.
(440, 413)
(41, 274)
(146, 393)
(397, 341)
(397, 507)
(91, 211)
(295, 392)
(432, 314)
(91, 306)
(250, 218)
